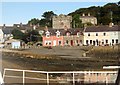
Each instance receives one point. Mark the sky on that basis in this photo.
(17, 12)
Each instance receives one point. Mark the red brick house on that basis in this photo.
(62, 37)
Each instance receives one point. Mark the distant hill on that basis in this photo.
(103, 13)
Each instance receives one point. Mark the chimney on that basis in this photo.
(4, 26)
(83, 14)
(46, 28)
(88, 14)
(21, 24)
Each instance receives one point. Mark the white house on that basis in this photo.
(1, 36)
(102, 35)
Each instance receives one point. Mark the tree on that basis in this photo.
(47, 18)
(48, 15)
(44, 22)
(102, 13)
(32, 36)
(76, 22)
(34, 21)
(17, 34)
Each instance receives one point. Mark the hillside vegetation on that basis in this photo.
(103, 13)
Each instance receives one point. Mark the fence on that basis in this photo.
(60, 76)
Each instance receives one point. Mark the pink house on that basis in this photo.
(52, 39)
(62, 37)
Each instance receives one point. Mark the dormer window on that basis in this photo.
(78, 34)
(47, 34)
(104, 34)
(68, 34)
(96, 34)
(57, 34)
(89, 34)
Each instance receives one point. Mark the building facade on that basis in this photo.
(88, 19)
(102, 35)
(1, 36)
(61, 22)
(70, 37)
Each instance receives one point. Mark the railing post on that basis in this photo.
(23, 77)
(4, 75)
(73, 78)
(47, 78)
(106, 79)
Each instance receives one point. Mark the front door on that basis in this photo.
(54, 43)
(71, 42)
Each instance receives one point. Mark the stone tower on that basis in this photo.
(61, 22)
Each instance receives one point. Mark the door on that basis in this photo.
(54, 43)
(71, 42)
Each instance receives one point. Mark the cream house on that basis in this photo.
(1, 36)
(102, 35)
(88, 19)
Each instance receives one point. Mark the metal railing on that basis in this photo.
(75, 75)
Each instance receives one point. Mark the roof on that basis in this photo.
(63, 32)
(87, 17)
(7, 29)
(102, 29)
(12, 40)
(22, 26)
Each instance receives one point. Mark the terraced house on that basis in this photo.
(102, 35)
(62, 37)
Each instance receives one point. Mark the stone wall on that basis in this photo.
(61, 22)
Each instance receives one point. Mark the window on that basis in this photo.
(58, 35)
(104, 34)
(68, 34)
(89, 34)
(87, 42)
(66, 41)
(96, 34)
(106, 41)
(46, 43)
(59, 42)
(97, 41)
(47, 35)
(116, 41)
(112, 40)
(49, 43)
(90, 41)
(78, 34)
(80, 41)
(77, 41)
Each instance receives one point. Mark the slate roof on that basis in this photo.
(7, 29)
(63, 32)
(102, 28)
(22, 26)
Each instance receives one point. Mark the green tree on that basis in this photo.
(47, 18)
(34, 21)
(48, 15)
(103, 13)
(32, 36)
(17, 34)
(76, 22)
